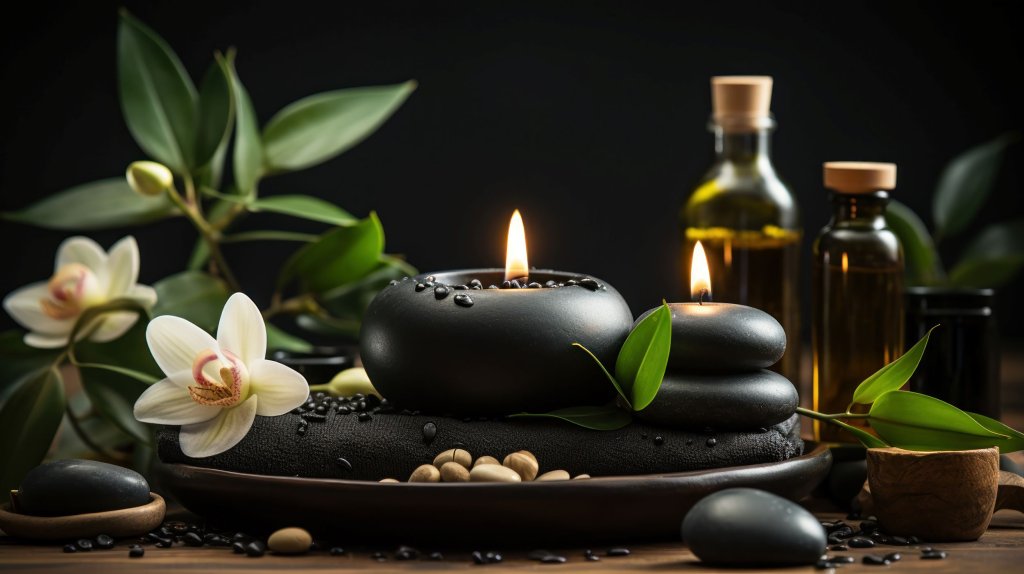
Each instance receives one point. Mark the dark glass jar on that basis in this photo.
(961, 364)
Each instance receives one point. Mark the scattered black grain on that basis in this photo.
(478, 558)
(84, 544)
(860, 542)
(932, 554)
(618, 552)
(553, 559)
(379, 556)
(436, 556)
(475, 284)
(429, 432)
(337, 551)
(238, 547)
(872, 560)
(534, 285)
(255, 549)
(106, 542)
(839, 548)
(463, 300)
(894, 557)
(711, 442)
(70, 548)
(136, 551)
(363, 417)
(842, 559)
(406, 553)
(420, 287)
(192, 539)
(538, 554)
(659, 440)
(589, 284)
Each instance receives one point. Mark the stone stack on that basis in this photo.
(717, 375)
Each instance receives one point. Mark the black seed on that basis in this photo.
(934, 555)
(337, 551)
(441, 291)
(379, 556)
(593, 558)
(894, 557)
(842, 559)
(898, 541)
(301, 431)
(514, 284)
(571, 282)
(823, 564)
(839, 548)
(860, 542)
(913, 540)
(478, 558)
(463, 300)
(538, 554)
(835, 539)
(843, 531)
(430, 278)
(436, 556)
(238, 547)
(429, 432)
(492, 286)
(618, 552)
(344, 463)
(553, 559)
(506, 284)
(70, 548)
(420, 287)
(136, 551)
(105, 542)
(84, 544)
(873, 560)
(255, 549)
(192, 539)
(534, 285)
(406, 553)
(363, 417)
(460, 287)
(711, 442)
(550, 283)
(868, 526)
(493, 557)
(320, 409)
(164, 544)
(475, 284)
(590, 284)
(659, 440)
(342, 410)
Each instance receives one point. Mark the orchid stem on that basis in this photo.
(84, 436)
(209, 234)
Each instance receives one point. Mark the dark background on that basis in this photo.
(589, 117)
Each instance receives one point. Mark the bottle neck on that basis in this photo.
(748, 147)
(859, 209)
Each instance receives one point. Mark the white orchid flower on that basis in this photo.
(84, 276)
(215, 387)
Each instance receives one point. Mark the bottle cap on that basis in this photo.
(859, 176)
(741, 103)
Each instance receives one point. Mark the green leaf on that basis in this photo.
(279, 340)
(98, 205)
(306, 207)
(595, 418)
(892, 376)
(923, 264)
(157, 95)
(340, 256)
(216, 111)
(248, 158)
(351, 299)
(611, 378)
(644, 356)
(993, 258)
(191, 295)
(17, 359)
(867, 439)
(347, 329)
(919, 422)
(1016, 441)
(319, 127)
(28, 422)
(113, 394)
(965, 185)
(269, 235)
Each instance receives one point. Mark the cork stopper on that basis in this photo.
(741, 103)
(859, 176)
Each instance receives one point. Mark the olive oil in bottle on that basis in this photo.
(857, 290)
(745, 217)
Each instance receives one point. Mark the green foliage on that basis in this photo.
(248, 158)
(305, 207)
(98, 205)
(340, 256)
(996, 254)
(216, 112)
(28, 422)
(918, 422)
(192, 295)
(643, 358)
(594, 418)
(893, 376)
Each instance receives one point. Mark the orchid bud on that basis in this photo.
(149, 178)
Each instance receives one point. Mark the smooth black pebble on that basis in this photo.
(749, 527)
(618, 552)
(255, 549)
(74, 486)
(860, 542)
(934, 555)
(106, 542)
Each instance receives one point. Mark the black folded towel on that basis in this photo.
(393, 445)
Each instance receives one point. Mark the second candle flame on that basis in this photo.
(700, 277)
(516, 264)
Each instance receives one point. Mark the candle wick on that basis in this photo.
(700, 298)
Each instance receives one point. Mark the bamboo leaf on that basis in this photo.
(595, 418)
(304, 206)
(966, 183)
(892, 376)
(919, 422)
(157, 96)
(643, 358)
(923, 264)
(28, 422)
(319, 127)
(993, 258)
(340, 256)
(1016, 440)
(618, 387)
(248, 159)
(216, 112)
(98, 205)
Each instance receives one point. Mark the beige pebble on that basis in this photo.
(525, 466)
(493, 473)
(454, 472)
(388, 480)
(554, 475)
(581, 477)
(425, 473)
(290, 541)
(486, 460)
(528, 454)
(454, 455)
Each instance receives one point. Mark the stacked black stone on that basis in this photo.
(717, 375)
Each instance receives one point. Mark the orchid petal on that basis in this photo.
(122, 267)
(113, 325)
(167, 403)
(144, 294)
(175, 342)
(219, 433)
(86, 252)
(23, 305)
(241, 329)
(40, 341)
(279, 387)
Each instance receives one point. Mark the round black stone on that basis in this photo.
(74, 486)
(463, 300)
(737, 401)
(106, 542)
(429, 432)
(441, 291)
(136, 551)
(748, 527)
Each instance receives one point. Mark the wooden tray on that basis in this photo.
(606, 509)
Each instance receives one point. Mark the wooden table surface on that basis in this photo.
(1001, 549)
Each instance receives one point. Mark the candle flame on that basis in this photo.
(700, 277)
(516, 265)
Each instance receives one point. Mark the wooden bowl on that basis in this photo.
(116, 523)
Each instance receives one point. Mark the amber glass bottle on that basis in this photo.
(744, 215)
(857, 289)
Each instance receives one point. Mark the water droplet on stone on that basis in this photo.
(463, 300)
(441, 291)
